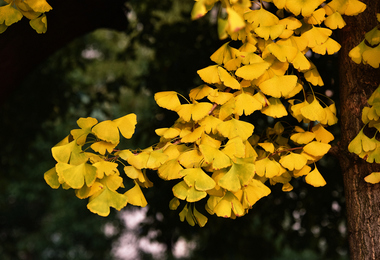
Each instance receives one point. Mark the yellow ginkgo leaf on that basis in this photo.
(190, 159)
(210, 123)
(105, 168)
(321, 134)
(283, 52)
(156, 159)
(300, 62)
(200, 8)
(39, 24)
(335, 21)
(136, 197)
(38, 5)
(235, 148)
(126, 125)
(304, 7)
(261, 17)
(168, 133)
(313, 111)
(312, 76)
(293, 161)
(51, 178)
(346, 7)
(200, 91)
(372, 56)
(330, 118)
(315, 178)
(102, 147)
(317, 148)
(193, 136)
(85, 124)
(237, 176)
(254, 191)
(373, 178)
(235, 21)
(183, 192)
(373, 36)
(139, 160)
(275, 109)
(134, 173)
(167, 99)
(77, 175)
(69, 153)
(170, 170)
(105, 198)
(214, 156)
(272, 32)
(195, 111)
(330, 46)
(316, 36)
(268, 147)
(107, 131)
(252, 71)
(200, 218)
(219, 97)
(267, 168)
(86, 192)
(233, 128)
(198, 178)
(246, 103)
(354, 7)
(210, 74)
(229, 205)
(279, 86)
(362, 143)
(9, 15)
(317, 17)
(356, 53)
(302, 138)
(224, 54)
(227, 79)
(302, 172)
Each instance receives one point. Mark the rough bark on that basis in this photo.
(357, 82)
(22, 49)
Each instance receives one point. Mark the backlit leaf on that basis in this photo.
(85, 124)
(198, 178)
(315, 178)
(214, 156)
(136, 197)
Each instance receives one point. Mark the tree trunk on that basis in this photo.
(357, 82)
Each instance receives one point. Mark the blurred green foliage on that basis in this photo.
(108, 74)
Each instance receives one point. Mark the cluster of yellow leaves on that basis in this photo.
(365, 147)
(368, 51)
(87, 162)
(34, 10)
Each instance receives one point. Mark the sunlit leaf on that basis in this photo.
(51, 178)
(170, 170)
(190, 194)
(317, 148)
(224, 54)
(195, 111)
(85, 124)
(227, 205)
(246, 103)
(214, 156)
(335, 21)
(210, 74)
(200, 218)
(227, 79)
(321, 134)
(275, 109)
(126, 125)
(302, 138)
(252, 71)
(107, 131)
(198, 178)
(373, 178)
(102, 147)
(167, 99)
(304, 7)
(234, 127)
(69, 153)
(315, 178)
(313, 111)
(136, 196)
(316, 36)
(237, 176)
(105, 168)
(268, 168)
(330, 46)
(254, 191)
(77, 175)
(279, 86)
(372, 56)
(293, 161)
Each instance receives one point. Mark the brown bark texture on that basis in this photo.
(357, 82)
(22, 49)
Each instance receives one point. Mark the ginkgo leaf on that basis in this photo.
(105, 168)
(315, 178)
(279, 86)
(313, 111)
(330, 118)
(198, 178)
(134, 173)
(268, 168)
(235, 148)
(107, 131)
(190, 159)
(195, 111)
(9, 15)
(139, 160)
(227, 109)
(302, 172)
(170, 170)
(193, 136)
(373, 36)
(316, 36)
(200, 91)
(335, 21)
(303, 138)
(86, 192)
(69, 153)
(38, 5)
(330, 46)
(246, 103)
(237, 176)
(85, 124)
(372, 56)
(167, 99)
(77, 175)
(190, 194)
(126, 125)
(174, 203)
(283, 52)
(234, 127)
(293, 161)
(317, 148)
(201, 7)
(51, 178)
(268, 147)
(321, 134)
(346, 7)
(361, 143)
(235, 21)
(227, 205)
(200, 218)
(39, 24)
(304, 7)
(168, 133)
(373, 178)
(136, 197)
(102, 147)
(219, 97)
(275, 109)
(252, 71)
(312, 76)
(261, 17)
(254, 191)
(317, 17)
(272, 32)
(227, 79)
(210, 74)
(224, 54)
(214, 156)
(356, 53)
(210, 123)
(101, 201)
